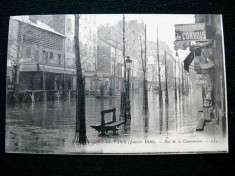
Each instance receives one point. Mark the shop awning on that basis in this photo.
(188, 60)
(32, 67)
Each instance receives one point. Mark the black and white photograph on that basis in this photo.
(116, 84)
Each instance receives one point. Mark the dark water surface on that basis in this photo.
(50, 127)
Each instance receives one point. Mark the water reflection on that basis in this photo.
(160, 117)
(166, 117)
(51, 125)
(175, 114)
(146, 122)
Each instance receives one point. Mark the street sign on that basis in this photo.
(190, 32)
(187, 35)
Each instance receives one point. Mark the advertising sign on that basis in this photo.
(190, 32)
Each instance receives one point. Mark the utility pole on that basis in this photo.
(182, 68)
(124, 89)
(96, 76)
(159, 72)
(166, 88)
(124, 49)
(145, 75)
(114, 70)
(175, 82)
(179, 73)
(64, 78)
(80, 134)
(43, 79)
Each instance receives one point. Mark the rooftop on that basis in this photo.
(38, 24)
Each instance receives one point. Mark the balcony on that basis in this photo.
(29, 64)
(49, 62)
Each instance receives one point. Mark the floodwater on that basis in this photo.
(50, 127)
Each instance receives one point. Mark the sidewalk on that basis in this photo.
(208, 123)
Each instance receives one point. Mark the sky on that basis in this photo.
(165, 23)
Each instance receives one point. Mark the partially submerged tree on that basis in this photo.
(145, 83)
(166, 77)
(80, 133)
(159, 73)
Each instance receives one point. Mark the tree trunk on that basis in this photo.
(123, 95)
(175, 82)
(146, 109)
(179, 74)
(80, 93)
(182, 68)
(166, 88)
(114, 72)
(159, 73)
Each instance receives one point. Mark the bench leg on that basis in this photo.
(102, 133)
(115, 131)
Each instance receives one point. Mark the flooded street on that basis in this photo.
(50, 127)
(115, 64)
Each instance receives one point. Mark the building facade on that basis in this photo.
(110, 64)
(212, 66)
(208, 59)
(153, 65)
(39, 55)
(134, 36)
(88, 44)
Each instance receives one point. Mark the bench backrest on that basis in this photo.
(103, 112)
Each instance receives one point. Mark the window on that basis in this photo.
(59, 59)
(45, 53)
(36, 55)
(94, 51)
(71, 45)
(51, 55)
(68, 45)
(73, 50)
(28, 53)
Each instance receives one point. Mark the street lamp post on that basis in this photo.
(128, 68)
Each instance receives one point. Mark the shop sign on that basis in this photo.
(190, 32)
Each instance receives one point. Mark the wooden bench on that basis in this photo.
(200, 125)
(112, 125)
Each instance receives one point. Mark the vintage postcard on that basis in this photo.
(116, 84)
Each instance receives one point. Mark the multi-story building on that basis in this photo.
(88, 48)
(207, 54)
(64, 25)
(110, 63)
(39, 53)
(214, 51)
(134, 36)
(153, 64)
(88, 43)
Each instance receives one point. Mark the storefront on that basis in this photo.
(204, 38)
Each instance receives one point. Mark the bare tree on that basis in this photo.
(175, 82)
(144, 68)
(159, 73)
(80, 133)
(166, 76)
(179, 73)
